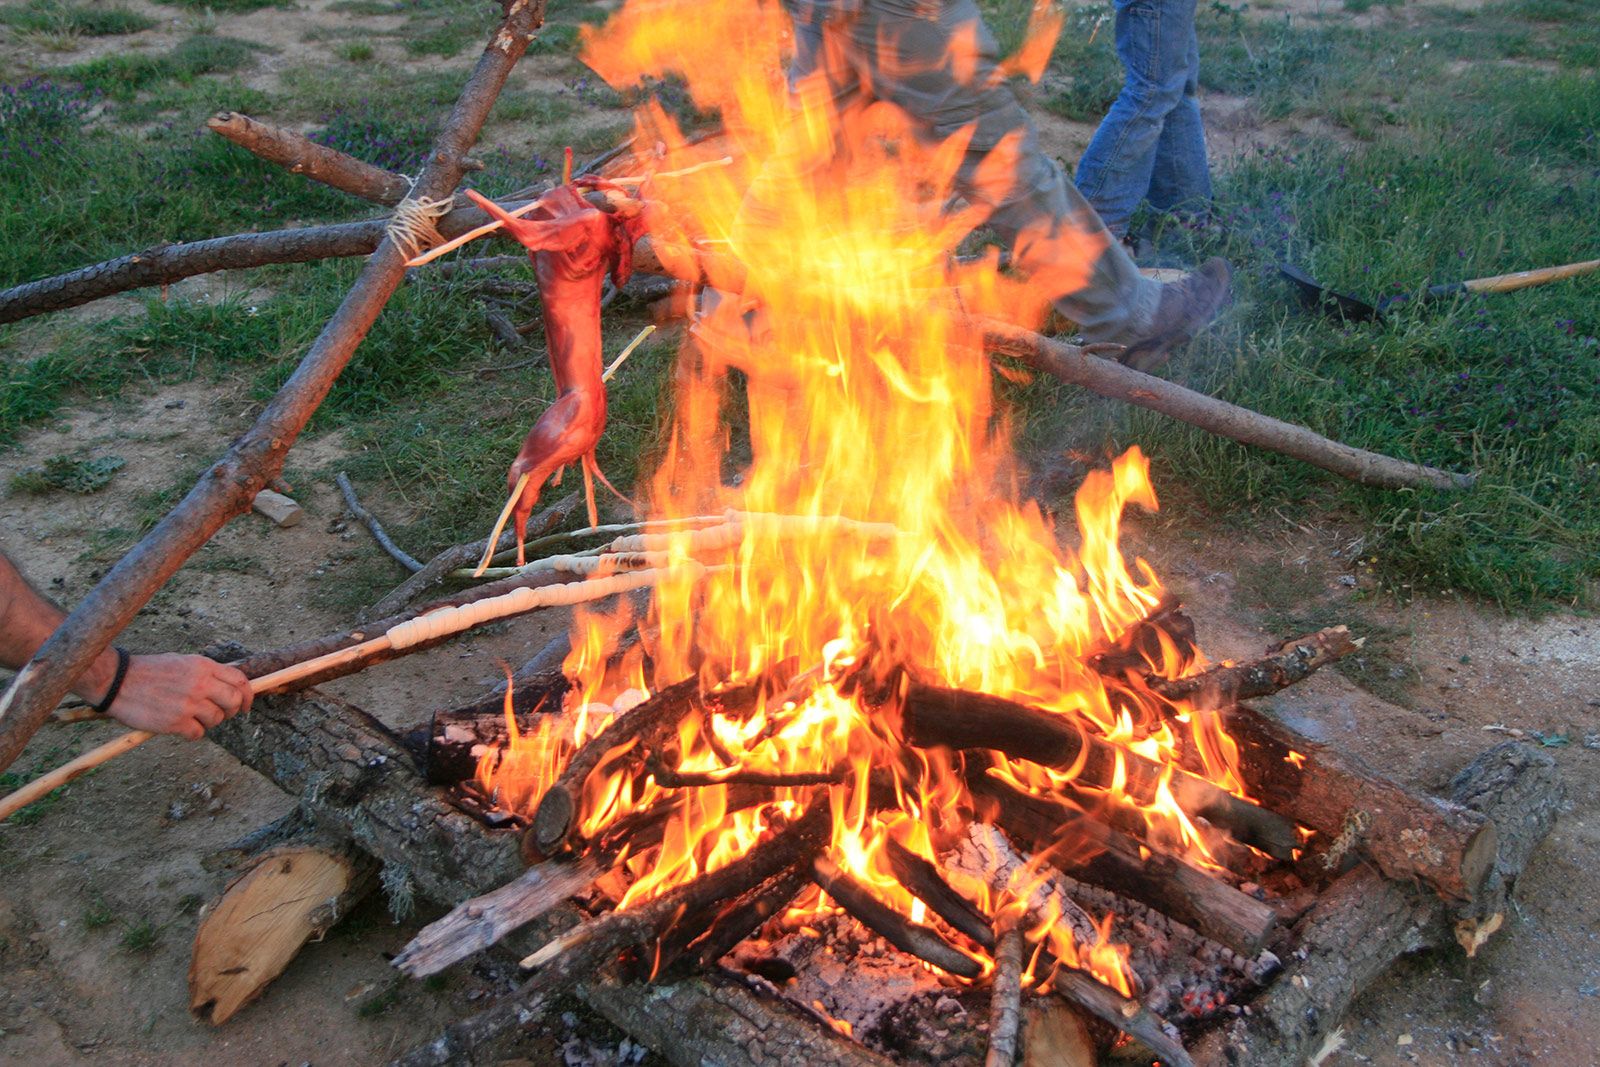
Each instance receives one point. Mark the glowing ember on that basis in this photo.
(840, 316)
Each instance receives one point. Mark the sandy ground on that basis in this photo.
(99, 894)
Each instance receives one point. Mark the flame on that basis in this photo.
(837, 317)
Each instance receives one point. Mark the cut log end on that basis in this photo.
(262, 920)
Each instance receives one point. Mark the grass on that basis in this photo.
(122, 75)
(67, 474)
(75, 20)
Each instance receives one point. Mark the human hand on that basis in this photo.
(177, 694)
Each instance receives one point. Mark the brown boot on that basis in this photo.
(1187, 306)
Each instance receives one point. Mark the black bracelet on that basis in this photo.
(116, 681)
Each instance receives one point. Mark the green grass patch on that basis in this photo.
(78, 20)
(123, 75)
(228, 7)
(355, 53)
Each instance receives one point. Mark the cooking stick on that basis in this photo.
(399, 637)
(500, 524)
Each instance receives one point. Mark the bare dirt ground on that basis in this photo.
(99, 891)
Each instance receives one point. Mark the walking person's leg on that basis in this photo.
(1181, 180)
(1154, 40)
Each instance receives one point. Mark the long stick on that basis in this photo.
(1005, 1003)
(420, 630)
(1110, 378)
(299, 154)
(227, 489)
(374, 527)
(500, 524)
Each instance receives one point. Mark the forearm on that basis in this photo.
(27, 619)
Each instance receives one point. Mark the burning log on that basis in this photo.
(1408, 835)
(1364, 922)
(923, 880)
(1107, 1005)
(640, 730)
(297, 884)
(742, 919)
(956, 719)
(1093, 852)
(1005, 1004)
(1285, 664)
(923, 942)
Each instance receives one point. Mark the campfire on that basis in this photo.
(886, 767)
(876, 726)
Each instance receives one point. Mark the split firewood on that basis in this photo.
(1005, 1003)
(934, 716)
(603, 938)
(1285, 664)
(921, 941)
(1056, 1034)
(289, 894)
(483, 921)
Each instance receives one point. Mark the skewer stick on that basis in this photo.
(423, 628)
(626, 352)
(500, 524)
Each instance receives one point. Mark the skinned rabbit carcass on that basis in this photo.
(573, 246)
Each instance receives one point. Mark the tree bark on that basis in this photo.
(1364, 922)
(1110, 378)
(226, 490)
(1408, 835)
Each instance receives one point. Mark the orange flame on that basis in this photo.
(837, 318)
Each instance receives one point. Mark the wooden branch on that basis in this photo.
(439, 567)
(476, 924)
(1106, 1004)
(1092, 852)
(1408, 835)
(1005, 1002)
(668, 778)
(640, 730)
(952, 718)
(923, 881)
(1364, 922)
(374, 527)
(923, 942)
(743, 918)
(256, 457)
(1110, 378)
(1284, 665)
(298, 154)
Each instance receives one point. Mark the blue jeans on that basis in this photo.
(1151, 145)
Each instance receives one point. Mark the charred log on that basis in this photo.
(961, 720)
(1283, 665)
(923, 880)
(921, 941)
